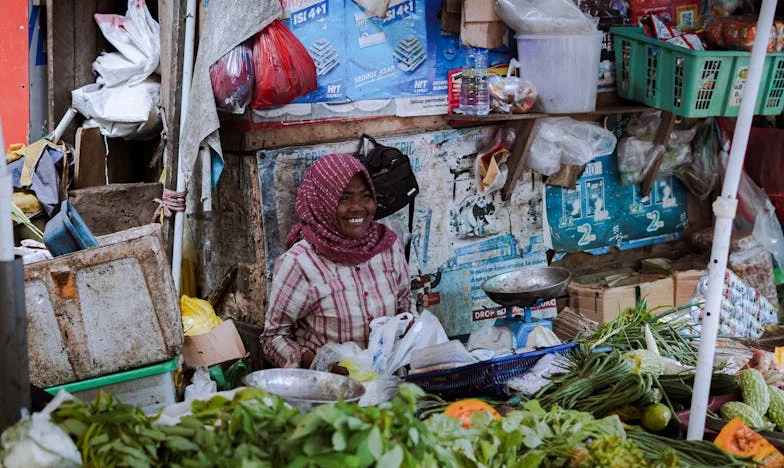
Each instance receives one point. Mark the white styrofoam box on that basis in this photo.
(99, 311)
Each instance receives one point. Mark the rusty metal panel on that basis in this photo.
(102, 310)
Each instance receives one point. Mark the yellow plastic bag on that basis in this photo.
(198, 316)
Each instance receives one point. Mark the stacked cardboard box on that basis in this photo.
(602, 302)
(480, 26)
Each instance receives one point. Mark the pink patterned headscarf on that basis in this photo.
(317, 203)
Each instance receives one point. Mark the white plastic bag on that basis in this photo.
(123, 102)
(36, 442)
(201, 386)
(129, 112)
(544, 16)
(563, 140)
(136, 36)
(390, 346)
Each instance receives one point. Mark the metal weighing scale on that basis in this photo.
(526, 288)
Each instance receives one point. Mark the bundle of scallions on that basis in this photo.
(672, 330)
(19, 217)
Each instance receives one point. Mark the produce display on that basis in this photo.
(614, 400)
(258, 429)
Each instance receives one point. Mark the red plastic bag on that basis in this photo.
(232, 79)
(284, 69)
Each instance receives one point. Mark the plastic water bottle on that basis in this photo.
(474, 94)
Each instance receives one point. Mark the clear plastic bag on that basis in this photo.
(637, 151)
(511, 94)
(232, 79)
(550, 16)
(701, 173)
(201, 385)
(283, 67)
(563, 140)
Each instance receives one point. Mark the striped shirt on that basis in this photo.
(314, 301)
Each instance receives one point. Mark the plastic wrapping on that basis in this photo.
(563, 140)
(283, 67)
(538, 17)
(511, 94)
(232, 79)
(201, 386)
(700, 174)
(391, 343)
(743, 313)
(636, 152)
(198, 316)
(754, 265)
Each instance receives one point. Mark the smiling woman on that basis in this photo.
(341, 269)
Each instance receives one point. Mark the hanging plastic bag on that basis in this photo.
(136, 36)
(701, 173)
(232, 79)
(563, 140)
(283, 67)
(636, 151)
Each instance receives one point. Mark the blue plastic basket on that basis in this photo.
(482, 378)
(66, 232)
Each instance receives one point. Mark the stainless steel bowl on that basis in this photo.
(525, 287)
(306, 388)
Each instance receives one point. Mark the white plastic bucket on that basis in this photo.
(563, 68)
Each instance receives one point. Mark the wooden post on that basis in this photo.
(15, 380)
(172, 19)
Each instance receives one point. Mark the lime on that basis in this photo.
(656, 417)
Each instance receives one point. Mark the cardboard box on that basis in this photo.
(601, 304)
(658, 293)
(480, 26)
(222, 344)
(480, 11)
(685, 284)
(487, 35)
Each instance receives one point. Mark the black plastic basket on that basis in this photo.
(483, 378)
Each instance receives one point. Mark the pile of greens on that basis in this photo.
(255, 429)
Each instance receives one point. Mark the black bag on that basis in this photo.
(393, 180)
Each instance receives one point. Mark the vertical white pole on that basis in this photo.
(724, 208)
(6, 190)
(187, 79)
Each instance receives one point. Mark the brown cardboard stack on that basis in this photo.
(480, 26)
(602, 301)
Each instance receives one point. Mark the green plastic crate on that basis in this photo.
(150, 387)
(691, 83)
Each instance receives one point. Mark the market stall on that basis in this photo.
(552, 292)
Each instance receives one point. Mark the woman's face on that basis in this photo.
(356, 209)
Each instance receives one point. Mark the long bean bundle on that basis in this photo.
(626, 333)
(597, 383)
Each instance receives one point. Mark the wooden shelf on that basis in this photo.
(618, 109)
